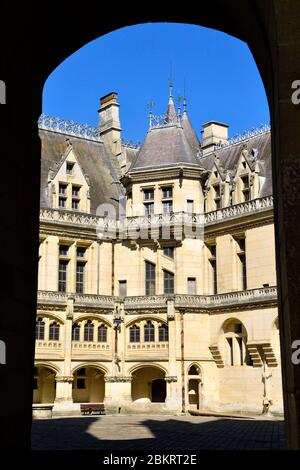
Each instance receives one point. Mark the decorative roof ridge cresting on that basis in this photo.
(76, 129)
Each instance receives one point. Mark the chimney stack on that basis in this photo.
(214, 133)
(109, 122)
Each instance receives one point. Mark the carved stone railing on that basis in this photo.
(238, 210)
(45, 296)
(69, 217)
(229, 298)
(145, 301)
(103, 301)
(90, 346)
(144, 226)
(160, 301)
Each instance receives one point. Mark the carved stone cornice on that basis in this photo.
(117, 379)
(171, 378)
(64, 378)
(52, 308)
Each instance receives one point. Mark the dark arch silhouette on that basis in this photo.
(271, 30)
(158, 391)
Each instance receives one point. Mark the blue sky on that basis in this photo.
(222, 80)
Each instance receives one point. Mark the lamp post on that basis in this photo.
(117, 320)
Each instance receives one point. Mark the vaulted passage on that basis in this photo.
(44, 385)
(88, 385)
(148, 385)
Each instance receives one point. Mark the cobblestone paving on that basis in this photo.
(157, 433)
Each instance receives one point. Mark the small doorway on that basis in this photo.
(158, 391)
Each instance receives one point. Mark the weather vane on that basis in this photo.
(151, 105)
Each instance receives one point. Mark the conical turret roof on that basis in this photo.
(189, 131)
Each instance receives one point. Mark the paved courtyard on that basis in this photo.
(157, 433)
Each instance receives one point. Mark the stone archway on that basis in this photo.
(194, 387)
(271, 29)
(88, 385)
(44, 385)
(148, 385)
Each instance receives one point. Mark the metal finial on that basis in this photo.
(171, 81)
(184, 98)
(151, 105)
(179, 101)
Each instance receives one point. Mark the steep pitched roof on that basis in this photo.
(258, 146)
(95, 161)
(162, 147)
(190, 133)
(171, 111)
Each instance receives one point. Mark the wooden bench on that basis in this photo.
(90, 408)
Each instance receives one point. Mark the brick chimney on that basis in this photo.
(109, 122)
(213, 133)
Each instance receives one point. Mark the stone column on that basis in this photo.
(117, 393)
(63, 404)
(172, 399)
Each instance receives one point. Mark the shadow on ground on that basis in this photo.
(112, 433)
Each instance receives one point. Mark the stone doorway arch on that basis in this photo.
(88, 385)
(158, 391)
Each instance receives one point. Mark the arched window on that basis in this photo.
(163, 333)
(89, 331)
(40, 329)
(102, 334)
(75, 332)
(134, 334)
(148, 332)
(194, 370)
(54, 332)
(235, 337)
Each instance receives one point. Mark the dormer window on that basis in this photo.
(75, 191)
(75, 197)
(75, 204)
(62, 202)
(218, 201)
(70, 168)
(62, 189)
(246, 187)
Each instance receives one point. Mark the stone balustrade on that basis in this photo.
(264, 294)
(238, 210)
(136, 227)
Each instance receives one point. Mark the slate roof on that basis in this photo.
(259, 146)
(190, 134)
(95, 160)
(164, 146)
